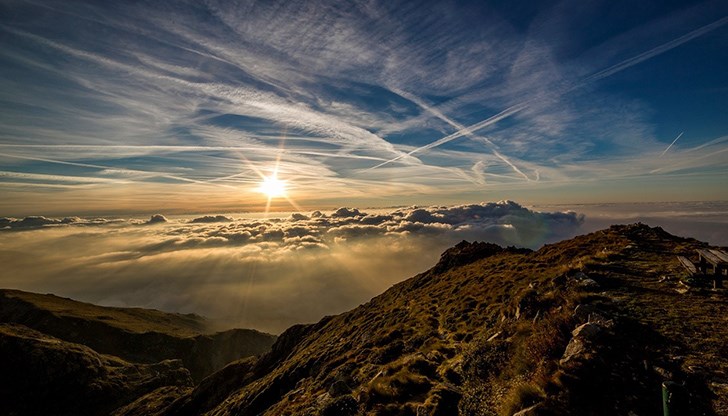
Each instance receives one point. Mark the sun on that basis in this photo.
(272, 187)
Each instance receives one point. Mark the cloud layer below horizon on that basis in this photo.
(269, 273)
(255, 272)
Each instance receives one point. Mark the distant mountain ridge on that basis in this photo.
(133, 334)
(588, 326)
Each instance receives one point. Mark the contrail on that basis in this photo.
(673, 142)
(188, 149)
(437, 113)
(656, 50)
(621, 66)
(460, 133)
(511, 164)
(673, 168)
(93, 166)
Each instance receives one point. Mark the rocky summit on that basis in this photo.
(595, 325)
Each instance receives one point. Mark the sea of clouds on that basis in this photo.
(264, 273)
(269, 272)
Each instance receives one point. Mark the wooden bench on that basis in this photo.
(721, 255)
(688, 265)
(718, 261)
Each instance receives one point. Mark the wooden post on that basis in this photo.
(703, 264)
(718, 261)
(718, 277)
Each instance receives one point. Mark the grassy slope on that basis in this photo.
(134, 320)
(488, 338)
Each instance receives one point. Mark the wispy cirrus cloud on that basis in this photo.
(214, 93)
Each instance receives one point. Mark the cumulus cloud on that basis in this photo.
(261, 273)
(344, 212)
(157, 219)
(211, 218)
(33, 222)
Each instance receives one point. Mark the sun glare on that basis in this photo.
(272, 187)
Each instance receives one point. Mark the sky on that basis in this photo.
(187, 106)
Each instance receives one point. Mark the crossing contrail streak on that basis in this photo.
(621, 66)
(437, 113)
(460, 133)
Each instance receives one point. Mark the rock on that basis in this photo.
(588, 284)
(580, 346)
(580, 276)
(576, 348)
(664, 374)
(339, 388)
(559, 281)
(581, 281)
(588, 331)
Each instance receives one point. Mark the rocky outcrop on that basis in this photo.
(584, 343)
(465, 252)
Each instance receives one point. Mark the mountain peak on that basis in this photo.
(466, 252)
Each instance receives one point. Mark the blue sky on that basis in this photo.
(182, 106)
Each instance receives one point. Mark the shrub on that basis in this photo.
(400, 386)
(486, 359)
(388, 353)
(521, 397)
(548, 339)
